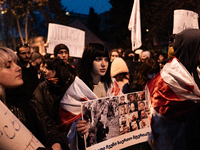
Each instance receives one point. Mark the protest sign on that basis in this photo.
(185, 19)
(13, 134)
(73, 38)
(116, 122)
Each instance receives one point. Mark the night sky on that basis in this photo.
(83, 6)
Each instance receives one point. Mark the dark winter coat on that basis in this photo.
(46, 104)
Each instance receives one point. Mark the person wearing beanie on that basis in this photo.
(120, 71)
(138, 52)
(36, 59)
(145, 55)
(62, 51)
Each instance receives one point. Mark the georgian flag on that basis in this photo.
(70, 107)
(173, 93)
(78, 92)
(135, 26)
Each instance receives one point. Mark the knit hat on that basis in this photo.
(35, 55)
(147, 53)
(138, 51)
(59, 47)
(118, 66)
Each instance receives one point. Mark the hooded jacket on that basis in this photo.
(175, 96)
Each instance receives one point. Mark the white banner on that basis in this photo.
(73, 38)
(185, 19)
(135, 25)
(13, 134)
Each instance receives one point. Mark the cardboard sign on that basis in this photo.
(73, 38)
(13, 134)
(185, 19)
(116, 122)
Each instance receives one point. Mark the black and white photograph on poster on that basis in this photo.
(124, 124)
(102, 120)
(120, 120)
(123, 109)
(122, 100)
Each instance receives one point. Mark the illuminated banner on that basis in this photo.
(116, 122)
(73, 38)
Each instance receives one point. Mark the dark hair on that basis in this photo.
(172, 37)
(122, 96)
(113, 50)
(62, 70)
(150, 65)
(85, 65)
(141, 102)
(21, 45)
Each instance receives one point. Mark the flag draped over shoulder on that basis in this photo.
(173, 94)
(70, 107)
(135, 25)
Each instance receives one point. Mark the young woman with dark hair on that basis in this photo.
(94, 52)
(93, 81)
(58, 78)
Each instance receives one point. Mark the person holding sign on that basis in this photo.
(11, 78)
(93, 82)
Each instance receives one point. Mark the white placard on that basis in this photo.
(13, 134)
(185, 19)
(73, 38)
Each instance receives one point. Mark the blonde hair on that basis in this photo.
(4, 54)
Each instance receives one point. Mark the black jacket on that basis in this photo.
(46, 105)
(18, 101)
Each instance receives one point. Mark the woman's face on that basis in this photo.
(132, 107)
(113, 56)
(123, 110)
(143, 57)
(100, 66)
(10, 74)
(48, 73)
(160, 58)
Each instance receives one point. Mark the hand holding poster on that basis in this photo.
(185, 19)
(116, 122)
(73, 38)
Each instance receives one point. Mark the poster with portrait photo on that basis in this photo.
(116, 122)
(123, 109)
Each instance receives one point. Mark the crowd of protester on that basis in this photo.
(45, 93)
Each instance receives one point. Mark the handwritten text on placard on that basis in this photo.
(185, 19)
(73, 38)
